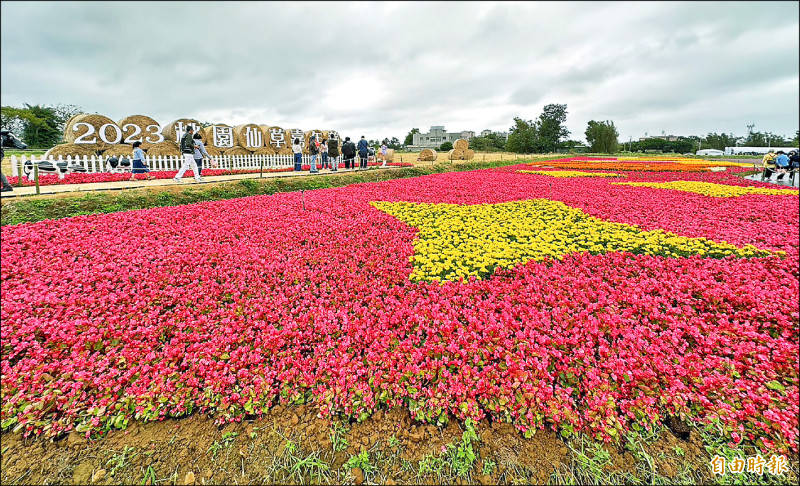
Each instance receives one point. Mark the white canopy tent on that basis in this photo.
(755, 150)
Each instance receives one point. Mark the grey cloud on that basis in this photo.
(643, 63)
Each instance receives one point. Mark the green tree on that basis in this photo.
(719, 142)
(38, 126)
(446, 146)
(523, 137)
(410, 137)
(602, 137)
(551, 126)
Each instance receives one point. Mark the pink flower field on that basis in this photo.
(230, 307)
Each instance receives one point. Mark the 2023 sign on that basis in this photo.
(153, 130)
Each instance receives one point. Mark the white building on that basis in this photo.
(755, 150)
(710, 152)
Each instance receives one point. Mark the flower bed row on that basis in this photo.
(230, 307)
(82, 178)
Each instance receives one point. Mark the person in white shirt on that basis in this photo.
(297, 149)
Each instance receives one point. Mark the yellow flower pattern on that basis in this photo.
(473, 240)
(709, 189)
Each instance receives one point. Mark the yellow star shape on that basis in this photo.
(462, 240)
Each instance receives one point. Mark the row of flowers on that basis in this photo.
(83, 178)
(642, 165)
(230, 307)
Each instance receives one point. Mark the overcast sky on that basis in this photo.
(380, 68)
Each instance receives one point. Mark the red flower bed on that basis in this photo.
(229, 307)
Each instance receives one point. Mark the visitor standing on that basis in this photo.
(333, 153)
(313, 148)
(199, 152)
(769, 165)
(349, 153)
(323, 153)
(297, 149)
(384, 148)
(139, 167)
(363, 152)
(187, 149)
(781, 164)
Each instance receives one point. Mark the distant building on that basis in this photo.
(485, 133)
(436, 137)
(668, 138)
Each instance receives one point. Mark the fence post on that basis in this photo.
(261, 158)
(36, 177)
(21, 169)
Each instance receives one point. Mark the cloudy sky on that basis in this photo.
(380, 68)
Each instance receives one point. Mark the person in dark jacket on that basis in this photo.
(313, 149)
(333, 153)
(187, 149)
(363, 152)
(349, 153)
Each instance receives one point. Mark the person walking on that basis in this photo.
(313, 148)
(323, 153)
(297, 149)
(349, 153)
(187, 149)
(139, 166)
(363, 152)
(333, 153)
(199, 152)
(384, 148)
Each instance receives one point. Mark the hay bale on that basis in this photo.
(427, 155)
(165, 148)
(208, 137)
(455, 154)
(469, 154)
(236, 151)
(240, 136)
(71, 149)
(73, 131)
(120, 150)
(213, 151)
(266, 150)
(278, 132)
(461, 144)
(315, 133)
(170, 132)
(284, 151)
(293, 133)
(142, 122)
(389, 155)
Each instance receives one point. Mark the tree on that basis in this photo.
(719, 142)
(446, 146)
(602, 137)
(524, 137)
(796, 139)
(38, 126)
(410, 137)
(394, 143)
(551, 126)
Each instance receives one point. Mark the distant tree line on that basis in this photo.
(38, 126)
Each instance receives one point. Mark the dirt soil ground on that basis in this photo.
(292, 446)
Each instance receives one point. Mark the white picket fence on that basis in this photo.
(99, 164)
